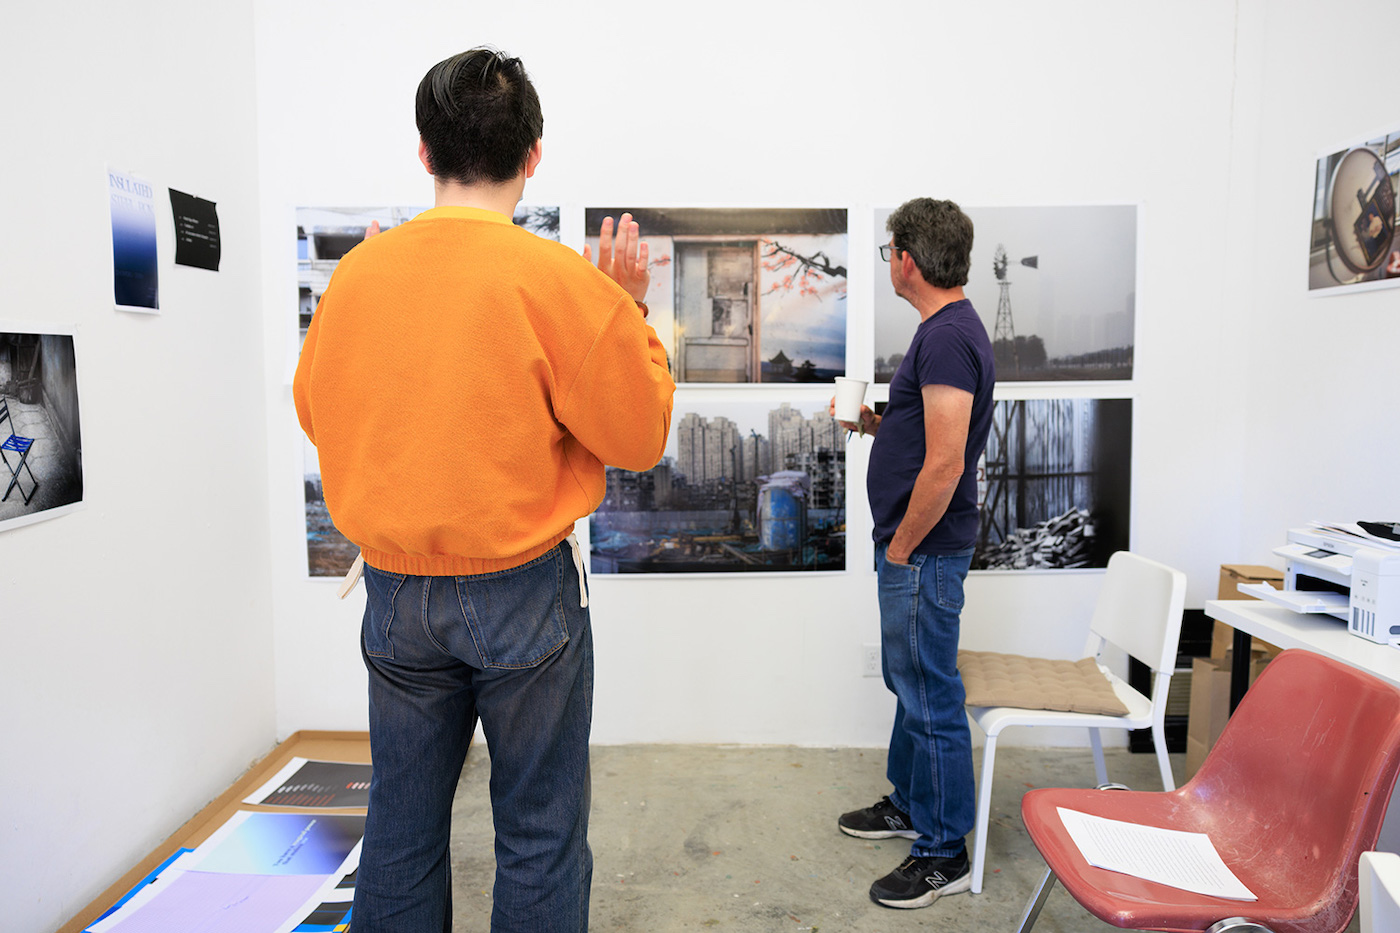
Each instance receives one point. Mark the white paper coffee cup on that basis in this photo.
(850, 393)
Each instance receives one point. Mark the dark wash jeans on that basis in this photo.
(515, 649)
(930, 759)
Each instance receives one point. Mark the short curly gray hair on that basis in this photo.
(939, 237)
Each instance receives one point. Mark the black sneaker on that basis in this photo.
(882, 821)
(922, 880)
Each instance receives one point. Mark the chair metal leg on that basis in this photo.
(1100, 768)
(1037, 901)
(984, 814)
(1159, 741)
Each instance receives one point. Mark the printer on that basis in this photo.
(1345, 571)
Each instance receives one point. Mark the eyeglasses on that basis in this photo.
(886, 250)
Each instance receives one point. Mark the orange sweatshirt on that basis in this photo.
(464, 381)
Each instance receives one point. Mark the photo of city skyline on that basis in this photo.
(742, 487)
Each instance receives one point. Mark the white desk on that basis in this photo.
(1323, 634)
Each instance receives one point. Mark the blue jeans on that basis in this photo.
(514, 648)
(930, 759)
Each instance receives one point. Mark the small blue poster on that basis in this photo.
(133, 243)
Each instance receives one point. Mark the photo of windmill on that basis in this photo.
(1056, 288)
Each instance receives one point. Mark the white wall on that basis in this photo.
(1323, 436)
(136, 671)
(140, 632)
(737, 104)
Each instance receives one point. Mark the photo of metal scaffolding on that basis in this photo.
(743, 487)
(1054, 484)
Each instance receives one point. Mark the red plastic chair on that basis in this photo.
(1292, 794)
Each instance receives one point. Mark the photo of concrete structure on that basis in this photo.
(41, 445)
(742, 488)
(1056, 288)
(745, 295)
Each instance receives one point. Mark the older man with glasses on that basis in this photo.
(922, 484)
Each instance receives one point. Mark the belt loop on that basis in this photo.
(578, 565)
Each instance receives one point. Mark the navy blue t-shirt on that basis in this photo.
(950, 348)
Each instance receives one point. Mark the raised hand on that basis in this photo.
(623, 257)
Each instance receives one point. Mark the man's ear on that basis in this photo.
(532, 158)
(423, 156)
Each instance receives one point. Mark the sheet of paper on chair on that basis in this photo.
(1167, 856)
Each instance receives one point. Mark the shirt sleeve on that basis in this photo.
(619, 406)
(946, 358)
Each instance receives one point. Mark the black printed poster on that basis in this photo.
(196, 231)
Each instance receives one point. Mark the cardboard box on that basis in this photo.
(1210, 703)
(1231, 576)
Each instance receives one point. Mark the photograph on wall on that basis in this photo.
(324, 235)
(329, 553)
(1054, 286)
(1354, 216)
(742, 295)
(41, 447)
(744, 487)
(1055, 484)
(134, 275)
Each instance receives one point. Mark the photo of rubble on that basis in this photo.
(747, 487)
(742, 295)
(1055, 287)
(324, 235)
(1055, 484)
(41, 444)
(1354, 217)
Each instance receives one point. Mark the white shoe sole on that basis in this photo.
(956, 886)
(879, 833)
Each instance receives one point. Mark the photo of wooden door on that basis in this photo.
(716, 310)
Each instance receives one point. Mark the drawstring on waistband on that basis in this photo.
(578, 565)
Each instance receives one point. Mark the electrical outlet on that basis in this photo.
(870, 660)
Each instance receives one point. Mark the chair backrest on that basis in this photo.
(1139, 609)
(1380, 892)
(1304, 770)
(5, 413)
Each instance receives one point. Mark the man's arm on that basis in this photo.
(947, 417)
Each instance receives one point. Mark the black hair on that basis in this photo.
(479, 116)
(939, 237)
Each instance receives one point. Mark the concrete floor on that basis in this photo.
(693, 837)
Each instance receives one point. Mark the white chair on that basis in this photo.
(1380, 892)
(1139, 611)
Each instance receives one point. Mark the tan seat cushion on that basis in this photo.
(993, 679)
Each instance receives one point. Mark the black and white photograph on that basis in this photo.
(1055, 484)
(745, 295)
(1354, 218)
(324, 235)
(41, 442)
(1056, 288)
(743, 487)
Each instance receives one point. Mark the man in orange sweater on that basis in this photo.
(464, 382)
